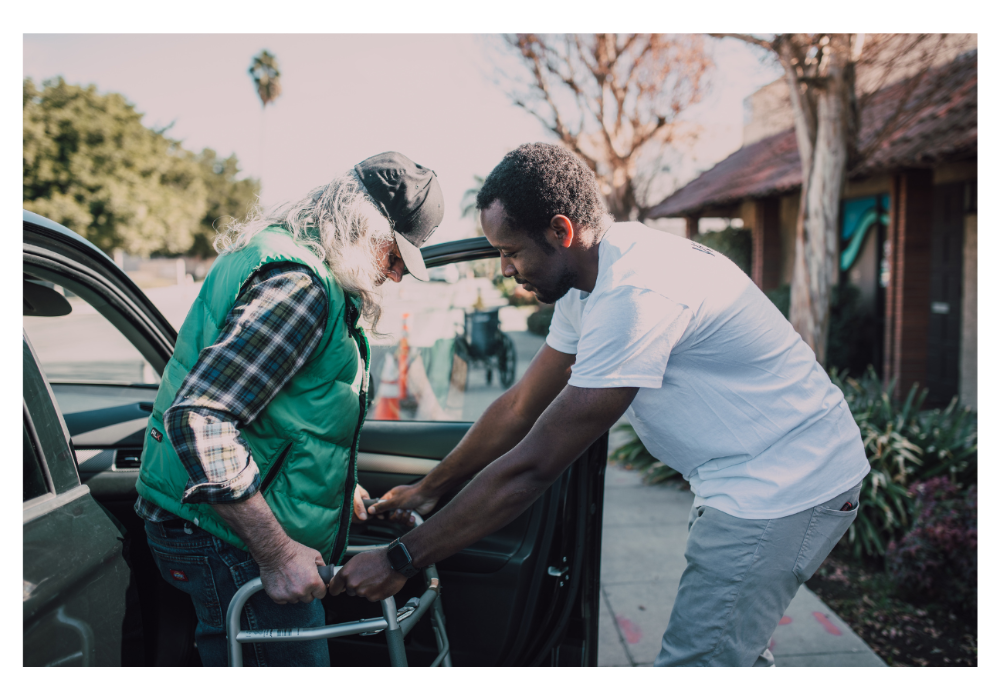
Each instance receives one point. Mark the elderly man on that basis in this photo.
(248, 464)
(715, 381)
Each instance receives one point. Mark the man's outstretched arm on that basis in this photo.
(501, 427)
(500, 492)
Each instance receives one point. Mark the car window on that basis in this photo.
(35, 484)
(83, 346)
(445, 349)
(46, 427)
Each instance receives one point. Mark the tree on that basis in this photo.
(469, 197)
(266, 77)
(612, 99)
(267, 81)
(823, 72)
(91, 165)
(227, 197)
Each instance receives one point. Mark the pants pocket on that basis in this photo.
(826, 526)
(193, 575)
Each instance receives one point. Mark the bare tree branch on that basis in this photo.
(620, 92)
(748, 38)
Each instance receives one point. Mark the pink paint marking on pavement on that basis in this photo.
(785, 620)
(629, 629)
(771, 645)
(827, 625)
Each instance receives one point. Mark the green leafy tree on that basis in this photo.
(91, 165)
(227, 198)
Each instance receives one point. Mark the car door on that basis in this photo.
(99, 347)
(75, 579)
(524, 595)
(528, 593)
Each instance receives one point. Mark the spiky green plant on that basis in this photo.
(634, 455)
(904, 445)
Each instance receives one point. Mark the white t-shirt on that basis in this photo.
(729, 394)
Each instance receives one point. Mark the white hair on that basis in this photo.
(341, 224)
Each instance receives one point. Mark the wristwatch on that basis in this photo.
(400, 560)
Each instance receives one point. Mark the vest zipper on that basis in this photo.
(348, 506)
(273, 471)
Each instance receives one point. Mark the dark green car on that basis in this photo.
(93, 350)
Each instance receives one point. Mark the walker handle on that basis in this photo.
(327, 572)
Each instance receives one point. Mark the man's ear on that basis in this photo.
(561, 232)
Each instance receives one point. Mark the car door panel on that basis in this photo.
(74, 598)
(425, 439)
(75, 578)
(159, 619)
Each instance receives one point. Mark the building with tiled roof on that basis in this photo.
(908, 221)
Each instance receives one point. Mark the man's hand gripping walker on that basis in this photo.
(396, 623)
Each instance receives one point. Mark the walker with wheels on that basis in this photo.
(396, 623)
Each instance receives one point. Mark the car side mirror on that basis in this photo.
(40, 300)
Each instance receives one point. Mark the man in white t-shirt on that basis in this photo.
(716, 382)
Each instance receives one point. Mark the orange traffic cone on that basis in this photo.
(392, 383)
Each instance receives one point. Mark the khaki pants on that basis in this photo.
(740, 577)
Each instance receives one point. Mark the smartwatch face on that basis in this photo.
(399, 559)
(398, 556)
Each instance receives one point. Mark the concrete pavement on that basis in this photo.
(642, 558)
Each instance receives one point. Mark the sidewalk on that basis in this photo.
(642, 558)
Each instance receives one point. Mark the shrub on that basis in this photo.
(634, 455)
(852, 337)
(937, 559)
(539, 321)
(514, 293)
(781, 297)
(735, 243)
(903, 445)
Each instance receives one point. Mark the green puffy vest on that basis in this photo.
(305, 440)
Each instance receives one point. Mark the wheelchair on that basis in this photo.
(484, 344)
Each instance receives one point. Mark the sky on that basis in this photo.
(347, 97)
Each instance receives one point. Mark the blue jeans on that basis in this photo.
(211, 571)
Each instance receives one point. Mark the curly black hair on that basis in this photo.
(537, 181)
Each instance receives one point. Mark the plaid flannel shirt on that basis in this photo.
(272, 329)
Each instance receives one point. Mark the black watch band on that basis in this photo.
(400, 560)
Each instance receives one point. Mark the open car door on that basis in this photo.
(101, 346)
(527, 594)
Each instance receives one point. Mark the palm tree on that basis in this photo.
(267, 81)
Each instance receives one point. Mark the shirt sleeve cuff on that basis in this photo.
(239, 488)
(610, 383)
(560, 345)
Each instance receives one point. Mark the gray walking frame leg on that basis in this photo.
(393, 634)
